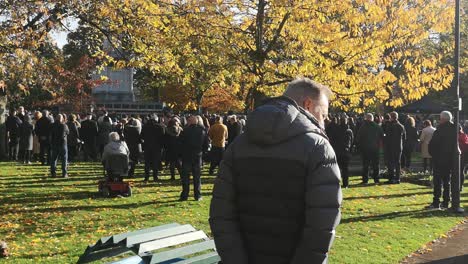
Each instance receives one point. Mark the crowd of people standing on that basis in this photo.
(183, 142)
(398, 141)
(180, 142)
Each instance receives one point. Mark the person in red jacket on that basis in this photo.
(463, 143)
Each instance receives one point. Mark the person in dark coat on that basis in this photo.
(58, 141)
(104, 128)
(13, 124)
(395, 136)
(26, 139)
(173, 146)
(133, 140)
(194, 141)
(73, 139)
(386, 144)
(42, 130)
(368, 138)
(410, 142)
(444, 151)
(89, 132)
(234, 128)
(152, 135)
(342, 146)
(333, 131)
(277, 196)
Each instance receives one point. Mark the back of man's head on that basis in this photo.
(445, 116)
(114, 137)
(219, 119)
(303, 88)
(59, 118)
(369, 117)
(394, 116)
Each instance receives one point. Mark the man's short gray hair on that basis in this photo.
(302, 88)
(446, 115)
(114, 136)
(369, 117)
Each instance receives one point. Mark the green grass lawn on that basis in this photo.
(52, 220)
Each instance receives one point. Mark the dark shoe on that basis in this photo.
(433, 206)
(364, 182)
(457, 210)
(392, 182)
(376, 181)
(181, 199)
(145, 180)
(344, 187)
(53, 175)
(198, 199)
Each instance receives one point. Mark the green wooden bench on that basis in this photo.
(171, 243)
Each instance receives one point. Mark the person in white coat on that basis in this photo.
(425, 138)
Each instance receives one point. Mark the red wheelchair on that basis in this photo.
(116, 168)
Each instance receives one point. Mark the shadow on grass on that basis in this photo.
(35, 200)
(387, 196)
(64, 209)
(421, 213)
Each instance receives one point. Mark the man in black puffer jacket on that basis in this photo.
(444, 151)
(277, 197)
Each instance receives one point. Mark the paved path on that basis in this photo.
(450, 250)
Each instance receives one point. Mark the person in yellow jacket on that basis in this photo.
(218, 135)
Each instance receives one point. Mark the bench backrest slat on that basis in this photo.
(180, 252)
(171, 241)
(131, 260)
(155, 235)
(210, 258)
(118, 238)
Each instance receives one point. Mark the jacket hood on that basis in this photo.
(278, 120)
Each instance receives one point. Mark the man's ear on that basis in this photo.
(308, 104)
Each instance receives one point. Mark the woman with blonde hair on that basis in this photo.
(426, 136)
(36, 145)
(409, 143)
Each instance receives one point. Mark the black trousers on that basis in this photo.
(72, 152)
(370, 158)
(406, 156)
(343, 163)
(13, 150)
(191, 164)
(394, 165)
(173, 164)
(447, 178)
(427, 162)
(152, 162)
(26, 155)
(216, 157)
(89, 151)
(44, 149)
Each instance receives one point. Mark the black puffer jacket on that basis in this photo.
(277, 197)
(442, 146)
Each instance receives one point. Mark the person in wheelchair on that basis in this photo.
(115, 158)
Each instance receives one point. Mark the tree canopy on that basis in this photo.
(385, 52)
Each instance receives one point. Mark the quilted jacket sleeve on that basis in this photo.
(224, 217)
(322, 204)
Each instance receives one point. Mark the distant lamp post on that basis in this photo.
(458, 102)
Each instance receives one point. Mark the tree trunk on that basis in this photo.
(3, 111)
